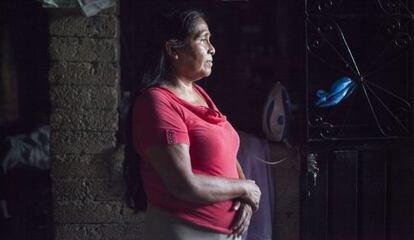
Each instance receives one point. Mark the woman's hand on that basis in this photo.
(252, 196)
(242, 221)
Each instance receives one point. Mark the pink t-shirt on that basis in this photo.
(159, 118)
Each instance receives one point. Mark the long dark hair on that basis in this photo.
(174, 26)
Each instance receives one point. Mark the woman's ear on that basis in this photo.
(171, 51)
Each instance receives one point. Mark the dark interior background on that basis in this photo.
(24, 106)
(24, 88)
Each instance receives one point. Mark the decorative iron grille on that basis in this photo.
(359, 69)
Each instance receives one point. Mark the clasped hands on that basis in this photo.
(245, 207)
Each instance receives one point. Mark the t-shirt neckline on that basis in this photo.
(185, 102)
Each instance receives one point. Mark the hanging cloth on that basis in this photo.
(252, 152)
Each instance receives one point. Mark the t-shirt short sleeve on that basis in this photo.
(156, 120)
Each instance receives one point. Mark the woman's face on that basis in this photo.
(195, 60)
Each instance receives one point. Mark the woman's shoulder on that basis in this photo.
(153, 93)
(155, 96)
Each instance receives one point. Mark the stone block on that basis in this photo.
(84, 97)
(76, 231)
(100, 26)
(99, 231)
(76, 166)
(84, 49)
(124, 232)
(84, 73)
(87, 212)
(82, 141)
(84, 119)
(107, 165)
(88, 189)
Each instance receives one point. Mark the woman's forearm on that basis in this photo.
(210, 189)
(174, 167)
(206, 189)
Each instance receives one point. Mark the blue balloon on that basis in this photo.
(340, 90)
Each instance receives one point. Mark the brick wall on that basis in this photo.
(86, 163)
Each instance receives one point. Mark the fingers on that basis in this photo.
(242, 229)
(236, 205)
(254, 205)
(240, 218)
(242, 221)
(252, 194)
(254, 198)
(256, 193)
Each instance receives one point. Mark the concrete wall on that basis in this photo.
(86, 163)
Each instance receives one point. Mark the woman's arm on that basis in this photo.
(173, 164)
(240, 171)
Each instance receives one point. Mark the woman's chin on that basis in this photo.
(205, 74)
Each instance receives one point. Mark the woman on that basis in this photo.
(194, 185)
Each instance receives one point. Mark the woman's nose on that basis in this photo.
(211, 49)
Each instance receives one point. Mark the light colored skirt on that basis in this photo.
(160, 225)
